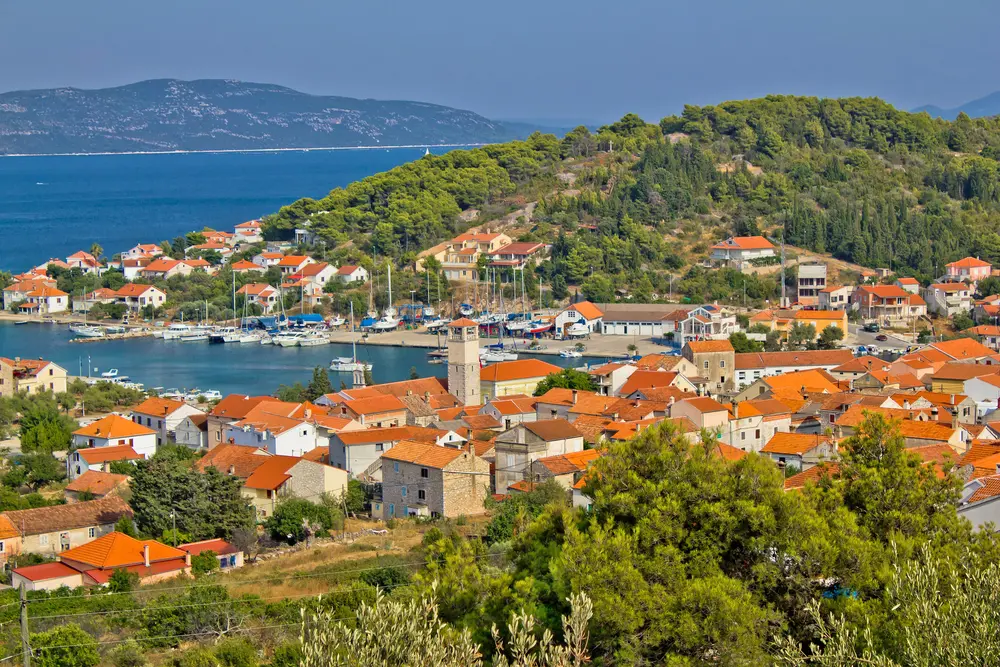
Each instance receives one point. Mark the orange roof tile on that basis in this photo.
(157, 406)
(745, 243)
(522, 369)
(963, 348)
(968, 263)
(705, 404)
(375, 405)
(96, 482)
(812, 380)
(793, 443)
(271, 473)
(236, 406)
(95, 455)
(463, 322)
(647, 380)
(836, 315)
(45, 571)
(728, 452)
(812, 475)
(418, 453)
(706, 346)
(113, 426)
(293, 260)
(237, 460)
(990, 489)
(588, 310)
(563, 464)
(116, 550)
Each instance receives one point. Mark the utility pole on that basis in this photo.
(25, 645)
(173, 521)
(783, 269)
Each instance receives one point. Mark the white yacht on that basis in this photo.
(570, 354)
(251, 336)
(194, 334)
(435, 324)
(224, 335)
(577, 329)
(288, 339)
(175, 331)
(314, 338)
(349, 365)
(338, 321)
(86, 331)
(389, 320)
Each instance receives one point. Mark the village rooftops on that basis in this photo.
(271, 473)
(419, 386)
(237, 460)
(113, 427)
(375, 405)
(117, 550)
(705, 405)
(236, 406)
(244, 265)
(886, 291)
(347, 269)
(463, 322)
(814, 380)
(951, 287)
(522, 369)
(908, 281)
(563, 464)
(588, 310)
(813, 475)
(293, 261)
(217, 546)
(962, 348)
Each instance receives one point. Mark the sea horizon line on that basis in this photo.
(248, 150)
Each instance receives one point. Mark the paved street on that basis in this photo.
(859, 337)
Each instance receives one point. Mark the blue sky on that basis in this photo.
(588, 59)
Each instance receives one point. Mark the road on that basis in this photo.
(857, 336)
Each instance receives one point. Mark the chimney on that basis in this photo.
(934, 412)
(409, 392)
(145, 554)
(954, 422)
(232, 470)
(670, 401)
(187, 559)
(308, 413)
(575, 395)
(906, 405)
(427, 396)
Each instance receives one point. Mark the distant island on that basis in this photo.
(978, 108)
(215, 114)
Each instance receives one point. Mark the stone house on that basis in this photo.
(429, 480)
(715, 361)
(529, 441)
(192, 431)
(801, 450)
(96, 484)
(565, 469)
(47, 531)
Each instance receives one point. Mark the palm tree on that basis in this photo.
(96, 250)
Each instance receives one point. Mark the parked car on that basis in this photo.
(881, 337)
(871, 327)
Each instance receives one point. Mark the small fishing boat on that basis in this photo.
(251, 337)
(466, 309)
(115, 329)
(337, 321)
(194, 335)
(20, 322)
(435, 324)
(349, 365)
(111, 373)
(289, 339)
(570, 354)
(539, 327)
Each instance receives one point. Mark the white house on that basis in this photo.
(136, 297)
(142, 250)
(249, 232)
(754, 423)
(738, 250)
(85, 262)
(947, 299)
(351, 273)
(163, 415)
(192, 431)
(281, 428)
(585, 314)
(611, 377)
(115, 430)
(98, 459)
(46, 300)
(358, 451)
(266, 260)
(985, 391)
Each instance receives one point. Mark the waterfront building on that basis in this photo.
(136, 297)
(584, 318)
(261, 294)
(228, 411)
(142, 251)
(517, 256)
(45, 301)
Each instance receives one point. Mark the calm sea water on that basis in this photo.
(232, 368)
(52, 206)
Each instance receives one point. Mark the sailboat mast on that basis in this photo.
(390, 284)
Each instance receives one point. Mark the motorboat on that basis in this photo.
(115, 329)
(428, 312)
(466, 310)
(194, 335)
(435, 324)
(491, 357)
(288, 339)
(576, 330)
(175, 331)
(438, 354)
(224, 335)
(110, 373)
(251, 337)
(337, 321)
(387, 323)
(570, 354)
(349, 365)
(86, 331)
(313, 339)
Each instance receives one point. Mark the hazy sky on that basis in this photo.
(589, 59)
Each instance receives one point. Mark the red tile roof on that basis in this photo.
(745, 243)
(588, 310)
(793, 443)
(968, 263)
(46, 571)
(812, 475)
(418, 453)
(522, 369)
(95, 455)
(220, 547)
(705, 346)
(119, 550)
(96, 482)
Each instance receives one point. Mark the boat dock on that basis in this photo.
(128, 335)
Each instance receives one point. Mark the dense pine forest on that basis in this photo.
(854, 178)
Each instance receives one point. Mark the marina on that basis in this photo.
(237, 368)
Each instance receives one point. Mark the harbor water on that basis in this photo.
(229, 368)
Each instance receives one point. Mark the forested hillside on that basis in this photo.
(855, 178)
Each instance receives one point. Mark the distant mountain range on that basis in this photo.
(215, 114)
(984, 106)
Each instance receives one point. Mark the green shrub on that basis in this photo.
(199, 657)
(65, 646)
(205, 562)
(236, 652)
(287, 655)
(128, 654)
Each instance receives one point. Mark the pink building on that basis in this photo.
(970, 269)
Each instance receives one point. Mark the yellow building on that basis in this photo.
(507, 378)
(31, 376)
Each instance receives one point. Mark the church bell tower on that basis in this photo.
(463, 361)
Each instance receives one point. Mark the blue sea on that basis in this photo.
(52, 206)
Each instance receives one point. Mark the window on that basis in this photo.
(756, 434)
(402, 491)
(421, 495)
(43, 540)
(722, 363)
(743, 435)
(92, 532)
(423, 472)
(392, 509)
(395, 466)
(706, 364)
(1, 548)
(378, 447)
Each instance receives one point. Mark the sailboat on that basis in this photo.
(389, 320)
(350, 364)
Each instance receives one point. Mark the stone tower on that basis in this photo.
(463, 361)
